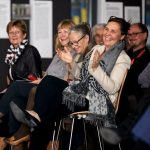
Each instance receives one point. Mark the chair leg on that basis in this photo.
(119, 146)
(85, 136)
(58, 132)
(71, 133)
(53, 140)
(99, 138)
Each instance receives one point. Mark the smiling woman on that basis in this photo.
(22, 58)
(80, 38)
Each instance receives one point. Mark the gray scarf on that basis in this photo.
(111, 56)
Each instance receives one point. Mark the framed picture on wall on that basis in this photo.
(21, 11)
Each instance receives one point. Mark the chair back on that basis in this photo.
(117, 101)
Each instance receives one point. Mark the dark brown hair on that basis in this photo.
(124, 25)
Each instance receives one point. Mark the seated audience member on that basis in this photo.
(140, 56)
(19, 91)
(23, 59)
(136, 126)
(96, 90)
(97, 34)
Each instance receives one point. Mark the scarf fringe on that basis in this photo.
(79, 101)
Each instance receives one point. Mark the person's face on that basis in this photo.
(99, 35)
(136, 37)
(16, 36)
(112, 34)
(63, 36)
(78, 42)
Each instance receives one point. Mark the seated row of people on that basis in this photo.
(95, 90)
(96, 73)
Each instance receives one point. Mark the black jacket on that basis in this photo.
(28, 63)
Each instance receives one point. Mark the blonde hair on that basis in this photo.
(66, 23)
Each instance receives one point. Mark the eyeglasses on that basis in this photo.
(14, 33)
(75, 43)
(134, 34)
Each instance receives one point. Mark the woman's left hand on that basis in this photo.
(65, 55)
(96, 59)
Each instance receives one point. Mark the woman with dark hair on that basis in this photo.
(101, 75)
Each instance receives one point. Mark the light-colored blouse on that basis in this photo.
(111, 84)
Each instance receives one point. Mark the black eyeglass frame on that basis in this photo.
(76, 42)
(134, 34)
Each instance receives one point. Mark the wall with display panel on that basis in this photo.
(130, 10)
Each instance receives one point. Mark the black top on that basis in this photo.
(140, 59)
(28, 63)
(132, 92)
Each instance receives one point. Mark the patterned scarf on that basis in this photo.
(13, 53)
(99, 103)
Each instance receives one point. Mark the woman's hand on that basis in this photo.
(37, 81)
(65, 55)
(96, 59)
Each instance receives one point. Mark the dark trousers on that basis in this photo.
(18, 92)
(48, 104)
(132, 118)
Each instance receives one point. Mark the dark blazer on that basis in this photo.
(28, 63)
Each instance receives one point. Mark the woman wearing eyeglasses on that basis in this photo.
(101, 76)
(23, 59)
